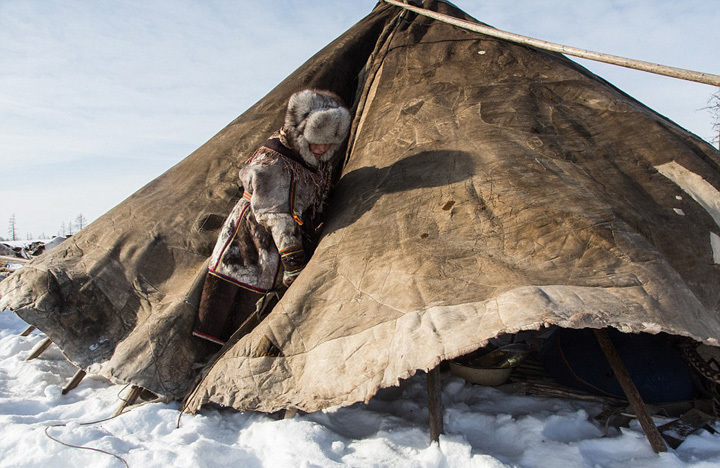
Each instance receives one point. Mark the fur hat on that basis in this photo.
(318, 117)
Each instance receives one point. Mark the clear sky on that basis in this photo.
(97, 98)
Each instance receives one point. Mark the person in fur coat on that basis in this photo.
(260, 247)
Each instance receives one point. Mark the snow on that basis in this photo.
(22, 243)
(484, 427)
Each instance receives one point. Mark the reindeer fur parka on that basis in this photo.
(285, 184)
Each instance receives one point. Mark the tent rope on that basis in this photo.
(681, 73)
(81, 447)
(90, 423)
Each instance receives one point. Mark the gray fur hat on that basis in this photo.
(318, 117)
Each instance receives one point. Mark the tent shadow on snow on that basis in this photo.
(489, 188)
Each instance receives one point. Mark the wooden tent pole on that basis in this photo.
(28, 330)
(6, 259)
(435, 409)
(132, 396)
(39, 349)
(651, 431)
(699, 77)
(74, 382)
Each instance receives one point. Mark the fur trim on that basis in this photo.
(319, 117)
(327, 126)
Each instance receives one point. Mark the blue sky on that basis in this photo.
(97, 98)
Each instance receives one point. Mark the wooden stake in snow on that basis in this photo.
(631, 392)
(74, 382)
(699, 77)
(39, 349)
(129, 400)
(435, 404)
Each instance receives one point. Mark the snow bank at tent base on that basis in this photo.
(483, 428)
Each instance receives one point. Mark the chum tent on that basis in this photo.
(488, 188)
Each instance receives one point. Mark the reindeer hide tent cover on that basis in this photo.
(489, 188)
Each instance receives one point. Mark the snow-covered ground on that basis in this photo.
(22, 243)
(483, 427)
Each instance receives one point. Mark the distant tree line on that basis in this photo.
(73, 227)
(714, 107)
(66, 229)
(12, 225)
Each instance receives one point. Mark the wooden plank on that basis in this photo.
(74, 382)
(28, 330)
(6, 259)
(631, 391)
(39, 349)
(129, 400)
(677, 431)
(435, 409)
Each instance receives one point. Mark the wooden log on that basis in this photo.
(28, 330)
(39, 349)
(17, 260)
(435, 409)
(631, 392)
(74, 382)
(129, 400)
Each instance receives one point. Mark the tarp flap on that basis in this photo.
(120, 297)
(491, 188)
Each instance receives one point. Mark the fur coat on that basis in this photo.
(260, 245)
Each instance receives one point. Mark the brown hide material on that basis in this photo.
(120, 297)
(489, 188)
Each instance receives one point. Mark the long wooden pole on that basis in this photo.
(699, 77)
(6, 259)
(435, 411)
(631, 392)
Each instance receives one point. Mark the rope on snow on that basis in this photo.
(93, 449)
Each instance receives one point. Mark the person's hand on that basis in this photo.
(293, 260)
(289, 278)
